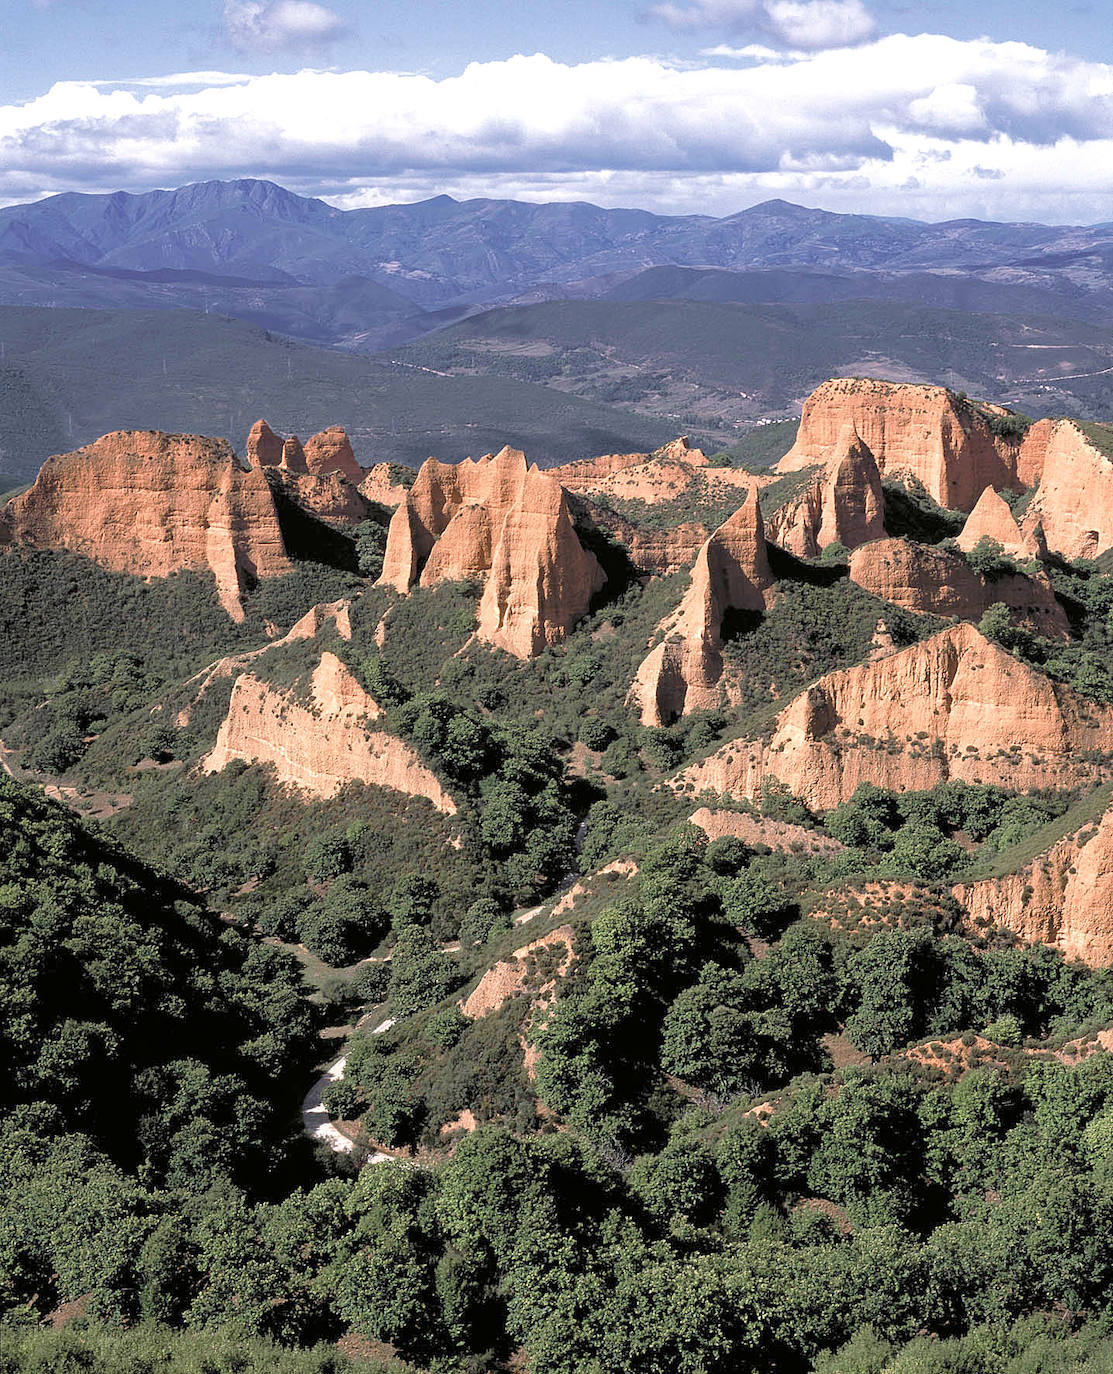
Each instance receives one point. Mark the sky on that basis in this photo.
(936, 110)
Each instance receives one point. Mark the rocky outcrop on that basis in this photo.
(331, 451)
(1063, 898)
(143, 502)
(954, 706)
(332, 613)
(322, 478)
(763, 831)
(507, 525)
(731, 572)
(844, 503)
(935, 581)
(293, 457)
(380, 484)
(992, 518)
(924, 432)
(1074, 501)
(264, 447)
(512, 977)
(322, 745)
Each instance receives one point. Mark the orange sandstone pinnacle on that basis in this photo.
(506, 524)
(731, 572)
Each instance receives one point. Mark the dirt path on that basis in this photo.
(314, 1115)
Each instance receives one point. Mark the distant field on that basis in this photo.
(72, 375)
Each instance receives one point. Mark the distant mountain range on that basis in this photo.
(348, 277)
(622, 325)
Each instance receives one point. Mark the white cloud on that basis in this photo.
(255, 26)
(927, 125)
(816, 24)
(754, 52)
(809, 24)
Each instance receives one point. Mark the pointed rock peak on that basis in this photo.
(510, 457)
(264, 446)
(331, 451)
(680, 450)
(293, 455)
(992, 518)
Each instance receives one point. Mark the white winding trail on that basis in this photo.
(314, 1115)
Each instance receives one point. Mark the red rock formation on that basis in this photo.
(925, 432)
(731, 572)
(331, 451)
(844, 503)
(1074, 501)
(506, 524)
(934, 581)
(991, 518)
(953, 706)
(293, 457)
(379, 485)
(321, 746)
(143, 502)
(264, 447)
(331, 613)
(655, 478)
(1064, 898)
(762, 830)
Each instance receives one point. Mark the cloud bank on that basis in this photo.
(927, 125)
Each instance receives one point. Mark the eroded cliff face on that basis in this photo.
(149, 503)
(1074, 501)
(934, 581)
(320, 746)
(925, 432)
(953, 706)
(731, 572)
(844, 503)
(507, 525)
(1064, 898)
(992, 518)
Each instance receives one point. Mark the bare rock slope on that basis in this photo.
(321, 745)
(731, 572)
(924, 432)
(953, 706)
(1063, 898)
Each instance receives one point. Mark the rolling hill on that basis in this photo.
(71, 375)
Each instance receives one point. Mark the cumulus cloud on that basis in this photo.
(808, 24)
(255, 26)
(820, 23)
(913, 125)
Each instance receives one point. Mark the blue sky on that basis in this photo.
(934, 110)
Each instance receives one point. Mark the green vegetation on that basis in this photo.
(1085, 662)
(759, 448)
(81, 373)
(130, 1015)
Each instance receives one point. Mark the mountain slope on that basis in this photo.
(72, 375)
